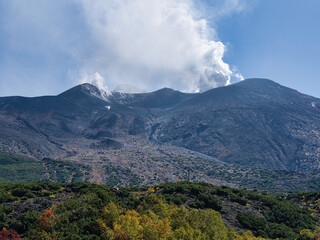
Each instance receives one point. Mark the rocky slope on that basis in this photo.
(167, 135)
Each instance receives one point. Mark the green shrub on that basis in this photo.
(251, 222)
(290, 215)
(275, 230)
(240, 200)
(210, 201)
(5, 197)
(20, 192)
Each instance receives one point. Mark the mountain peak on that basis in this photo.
(85, 89)
(258, 83)
(164, 98)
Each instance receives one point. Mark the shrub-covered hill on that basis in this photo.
(180, 210)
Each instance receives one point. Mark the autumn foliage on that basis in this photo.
(168, 212)
(46, 218)
(155, 219)
(9, 235)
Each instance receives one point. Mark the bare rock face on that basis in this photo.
(254, 123)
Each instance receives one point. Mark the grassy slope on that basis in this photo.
(15, 168)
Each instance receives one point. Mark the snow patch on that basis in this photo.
(313, 104)
(108, 107)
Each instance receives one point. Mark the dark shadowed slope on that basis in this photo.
(163, 98)
(256, 122)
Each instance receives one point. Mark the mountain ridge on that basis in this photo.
(255, 123)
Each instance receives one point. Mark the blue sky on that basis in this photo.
(278, 39)
(47, 47)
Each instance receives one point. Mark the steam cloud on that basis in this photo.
(97, 80)
(152, 44)
(148, 44)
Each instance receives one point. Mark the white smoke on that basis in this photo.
(148, 44)
(152, 44)
(97, 80)
(236, 74)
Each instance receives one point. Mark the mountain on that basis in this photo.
(255, 123)
(238, 135)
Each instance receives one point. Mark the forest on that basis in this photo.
(182, 210)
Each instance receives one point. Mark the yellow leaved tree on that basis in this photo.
(155, 219)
